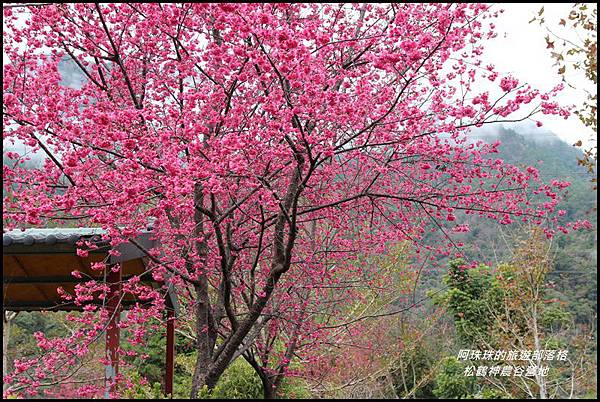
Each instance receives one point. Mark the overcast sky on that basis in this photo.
(520, 48)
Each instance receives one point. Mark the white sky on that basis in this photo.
(520, 48)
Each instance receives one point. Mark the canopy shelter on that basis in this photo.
(38, 261)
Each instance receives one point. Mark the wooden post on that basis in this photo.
(112, 332)
(170, 353)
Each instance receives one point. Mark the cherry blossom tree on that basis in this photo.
(254, 136)
(317, 312)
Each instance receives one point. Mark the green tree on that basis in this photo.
(509, 309)
(451, 382)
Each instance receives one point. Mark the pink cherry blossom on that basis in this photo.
(269, 145)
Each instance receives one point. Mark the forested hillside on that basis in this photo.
(575, 257)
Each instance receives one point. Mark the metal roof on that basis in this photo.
(37, 261)
(48, 236)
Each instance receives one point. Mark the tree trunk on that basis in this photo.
(205, 327)
(536, 339)
(205, 345)
(269, 389)
(210, 365)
